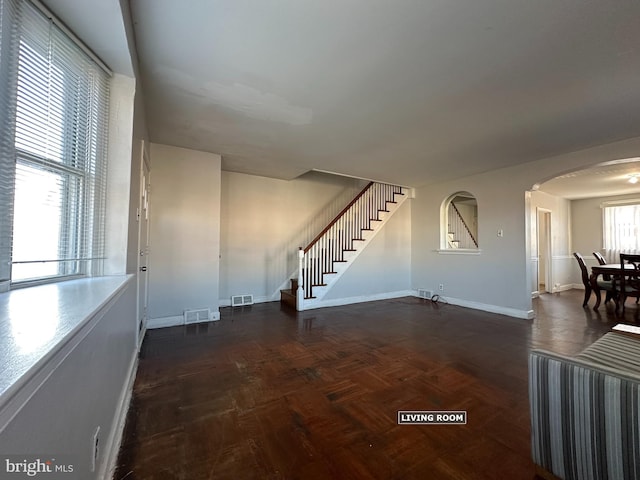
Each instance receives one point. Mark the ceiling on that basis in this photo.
(606, 179)
(407, 92)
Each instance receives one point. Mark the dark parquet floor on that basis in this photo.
(269, 393)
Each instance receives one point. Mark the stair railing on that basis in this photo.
(463, 237)
(329, 246)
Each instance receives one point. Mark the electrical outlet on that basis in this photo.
(441, 287)
(95, 450)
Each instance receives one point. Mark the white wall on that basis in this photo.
(121, 115)
(263, 223)
(185, 233)
(496, 276)
(499, 279)
(384, 266)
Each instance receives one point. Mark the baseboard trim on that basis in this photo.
(176, 321)
(485, 307)
(163, 322)
(563, 288)
(108, 467)
(338, 302)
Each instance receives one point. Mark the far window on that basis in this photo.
(621, 226)
(53, 155)
(460, 222)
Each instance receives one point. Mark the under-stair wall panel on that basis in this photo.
(383, 267)
(353, 231)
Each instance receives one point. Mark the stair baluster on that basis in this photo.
(318, 258)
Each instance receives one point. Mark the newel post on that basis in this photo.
(300, 291)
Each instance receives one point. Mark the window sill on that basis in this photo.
(36, 322)
(459, 251)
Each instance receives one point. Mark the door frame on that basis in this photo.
(544, 238)
(142, 288)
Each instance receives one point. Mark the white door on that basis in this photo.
(143, 244)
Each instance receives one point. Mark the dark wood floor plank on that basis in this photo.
(268, 393)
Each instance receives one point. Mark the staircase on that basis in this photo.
(329, 255)
(459, 235)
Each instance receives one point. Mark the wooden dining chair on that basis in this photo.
(628, 285)
(600, 258)
(603, 284)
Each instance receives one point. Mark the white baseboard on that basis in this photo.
(510, 312)
(176, 320)
(564, 288)
(559, 288)
(108, 467)
(162, 322)
(310, 305)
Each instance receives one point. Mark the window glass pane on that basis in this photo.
(41, 229)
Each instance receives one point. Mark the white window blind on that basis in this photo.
(621, 229)
(56, 162)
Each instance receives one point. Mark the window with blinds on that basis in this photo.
(55, 161)
(620, 228)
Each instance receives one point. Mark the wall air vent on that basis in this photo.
(240, 300)
(196, 316)
(422, 293)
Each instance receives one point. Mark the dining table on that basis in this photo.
(608, 269)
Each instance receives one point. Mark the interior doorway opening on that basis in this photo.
(544, 254)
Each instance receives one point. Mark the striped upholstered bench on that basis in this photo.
(585, 411)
